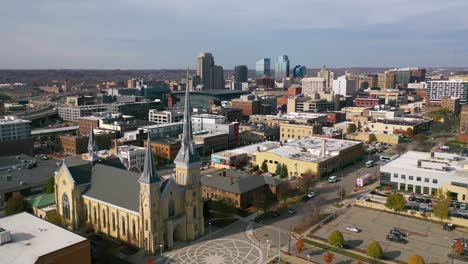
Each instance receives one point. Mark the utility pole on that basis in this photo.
(279, 244)
(289, 242)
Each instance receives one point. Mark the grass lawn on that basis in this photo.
(342, 252)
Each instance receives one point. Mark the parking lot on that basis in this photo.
(425, 238)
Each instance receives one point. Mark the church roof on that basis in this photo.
(149, 174)
(237, 182)
(114, 186)
(187, 153)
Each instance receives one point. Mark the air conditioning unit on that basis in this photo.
(5, 236)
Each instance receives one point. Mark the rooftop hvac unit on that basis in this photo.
(5, 236)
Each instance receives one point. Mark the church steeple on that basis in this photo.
(92, 156)
(187, 154)
(149, 175)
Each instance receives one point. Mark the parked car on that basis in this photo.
(412, 198)
(370, 163)
(427, 200)
(397, 239)
(292, 210)
(449, 226)
(419, 199)
(312, 194)
(397, 232)
(332, 179)
(305, 198)
(353, 229)
(275, 213)
(291, 178)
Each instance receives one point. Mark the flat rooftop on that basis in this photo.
(453, 164)
(296, 115)
(163, 125)
(53, 130)
(32, 238)
(12, 120)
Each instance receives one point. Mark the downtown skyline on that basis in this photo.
(169, 35)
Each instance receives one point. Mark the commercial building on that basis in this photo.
(231, 114)
(79, 100)
(426, 173)
(368, 102)
(296, 117)
(463, 131)
(34, 240)
(265, 82)
(262, 68)
(23, 174)
(344, 86)
(309, 104)
(298, 130)
(282, 67)
(436, 90)
(72, 144)
(73, 113)
(163, 117)
(402, 76)
(15, 136)
(241, 189)
(240, 73)
(328, 75)
(452, 104)
(132, 157)
(208, 99)
(368, 81)
(164, 130)
(165, 148)
(85, 124)
(294, 90)
(217, 123)
(211, 75)
(391, 96)
(248, 106)
(312, 85)
(138, 110)
(254, 133)
(397, 126)
(316, 155)
(299, 71)
(386, 80)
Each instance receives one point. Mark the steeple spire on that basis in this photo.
(92, 156)
(187, 153)
(149, 175)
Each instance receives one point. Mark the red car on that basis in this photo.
(275, 214)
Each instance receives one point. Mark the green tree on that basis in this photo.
(55, 219)
(284, 171)
(336, 239)
(416, 259)
(256, 168)
(16, 204)
(263, 203)
(396, 202)
(442, 208)
(374, 250)
(284, 191)
(309, 178)
(50, 187)
(264, 167)
(278, 169)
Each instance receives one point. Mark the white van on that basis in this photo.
(370, 163)
(332, 179)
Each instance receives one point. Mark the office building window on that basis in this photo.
(426, 179)
(434, 181)
(410, 178)
(395, 175)
(418, 178)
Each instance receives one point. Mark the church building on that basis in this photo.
(139, 208)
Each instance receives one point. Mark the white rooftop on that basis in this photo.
(32, 237)
(12, 120)
(163, 125)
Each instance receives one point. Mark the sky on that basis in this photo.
(169, 34)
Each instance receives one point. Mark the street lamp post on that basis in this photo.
(161, 250)
(308, 258)
(279, 244)
(209, 229)
(268, 248)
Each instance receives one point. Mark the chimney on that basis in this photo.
(258, 149)
(432, 154)
(324, 148)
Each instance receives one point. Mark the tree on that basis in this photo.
(50, 187)
(442, 209)
(400, 148)
(416, 259)
(336, 239)
(352, 128)
(309, 178)
(458, 247)
(328, 257)
(278, 169)
(396, 202)
(256, 168)
(55, 219)
(284, 191)
(264, 167)
(284, 171)
(263, 203)
(16, 204)
(341, 192)
(300, 245)
(374, 250)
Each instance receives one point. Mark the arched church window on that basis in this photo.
(113, 221)
(103, 218)
(123, 226)
(133, 229)
(65, 206)
(85, 208)
(95, 214)
(171, 208)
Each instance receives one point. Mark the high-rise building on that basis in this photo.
(368, 81)
(216, 78)
(386, 80)
(344, 86)
(211, 75)
(282, 67)
(240, 73)
(299, 71)
(402, 76)
(463, 131)
(312, 85)
(262, 68)
(436, 90)
(417, 75)
(15, 136)
(328, 75)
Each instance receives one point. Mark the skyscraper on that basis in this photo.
(282, 67)
(262, 67)
(211, 75)
(328, 75)
(299, 71)
(240, 73)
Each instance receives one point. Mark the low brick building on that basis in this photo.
(240, 188)
(166, 148)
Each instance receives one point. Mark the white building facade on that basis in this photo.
(437, 90)
(312, 85)
(164, 117)
(132, 157)
(344, 86)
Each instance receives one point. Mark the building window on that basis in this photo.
(410, 178)
(172, 208)
(113, 221)
(434, 181)
(146, 225)
(104, 218)
(133, 228)
(95, 214)
(418, 178)
(395, 175)
(65, 206)
(194, 212)
(85, 208)
(194, 194)
(426, 179)
(403, 176)
(123, 226)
